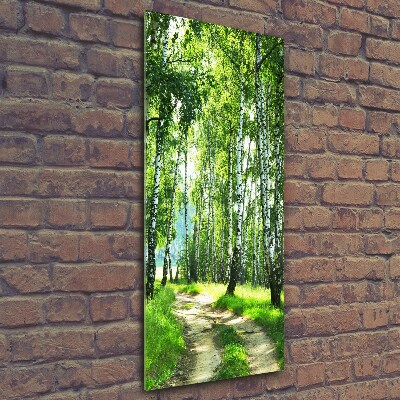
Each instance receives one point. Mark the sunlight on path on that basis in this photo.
(201, 320)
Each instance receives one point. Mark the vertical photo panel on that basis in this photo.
(214, 151)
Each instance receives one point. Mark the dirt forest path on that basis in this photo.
(200, 321)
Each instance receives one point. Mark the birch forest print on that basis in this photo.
(213, 202)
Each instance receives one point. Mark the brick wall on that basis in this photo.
(71, 180)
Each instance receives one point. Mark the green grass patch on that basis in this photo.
(164, 342)
(234, 361)
(249, 302)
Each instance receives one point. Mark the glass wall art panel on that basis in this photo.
(213, 202)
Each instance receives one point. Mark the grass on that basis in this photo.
(248, 301)
(164, 343)
(234, 357)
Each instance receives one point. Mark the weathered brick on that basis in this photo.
(388, 8)
(10, 14)
(330, 92)
(135, 123)
(69, 86)
(339, 244)
(41, 18)
(352, 118)
(395, 29)
(13, 245)
(337, 371)
(395, 174)
(367, 366)
(38, 52)
(292, 86)
(310, 374)
(309, 11)
(17, 148)
(322, 295)
(384, 50)
(344, 218)
(258, 6)
(66, 213)
(120, 338)
(344, 43)
(108, 153)
(379, 26)
(29, 82)
(327, 115)
(370, 219)
(21, 213)
(360, 343)
(96, 278)
(348, 143)
(392, 218)
(391, 363)
(27, 278)
(347, 193)
(65, 309)
(376, 170)
(394, 271)
(380, 244)
(117, 93)
(387, 195)
(93, 5)
(137, 215)
(116, 63)
(322, 167)
(296, 113)
(375, 316)
(18, 312)
(127, 7)
(300, 193)
(63, 150)
(311, 350)
(127, 34)
(310, 270)
(108, 214)
(301, 61)
(354, 20)
(108, 308)
(349, 168)
(304, 140)
(88, 27)
(391, 147)
(385, 75)
(295, 166)
(136, 304)
(52, 344)
(379, 122)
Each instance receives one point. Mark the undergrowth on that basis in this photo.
(164, 342)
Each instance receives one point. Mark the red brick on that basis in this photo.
(13, 245)
(99, 122)
(352, 118)
(394, 271)
(395, 29)
(96, 278)
(69, 86)
(296, 113)
(29, 82)
(344, 43)
(379, 122)
(300, 193)
(311, 350)
(66, 213)
(354, 20)
(292, 296)
(108, 153)
(391, 147)
(258, 6)
(387, 195)
(388, 8)
(136, 304)
(301, 61)
(347, 193)
(349, 168)
(91, 28)
(310, 374)
(352, 268)
(17, 148)
(344, 218)
(115, 63)
(66, 309)
(292, 86)
(370, 219)
(315, 217)
(325, 115)
(50, 344)
(11, 14)
(376, 170)
(48, 246)
(304, 140)
(365, 390)
(108, 308)
(38, 52)
(108, 214)
(41, 18)
(392, 218)
(137, 154)
(18, 312)
(337, 371)
(391, 363)
(120, 338)
(335, 67)
(310, 270)
(385, 75)
(309, 11)
(134, 122)
(321, 168)
(304, 35)
(137, 215)
(348, 143)
(380, 244)
(63, 150)
(395, 175)
(127, 34)
(384, 50)
(27, 279)
(127, 7)
(367, 366)
(361, 343)
(379, 26)
(339, 244)
(20, 213)
(93, 5)
(330, 92)
(375, 316)
(117, 93)
(297, 245)
(322, 295)
(295, 166)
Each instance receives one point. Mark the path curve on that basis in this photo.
(200, 320)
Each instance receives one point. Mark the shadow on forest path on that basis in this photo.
(201, 321)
